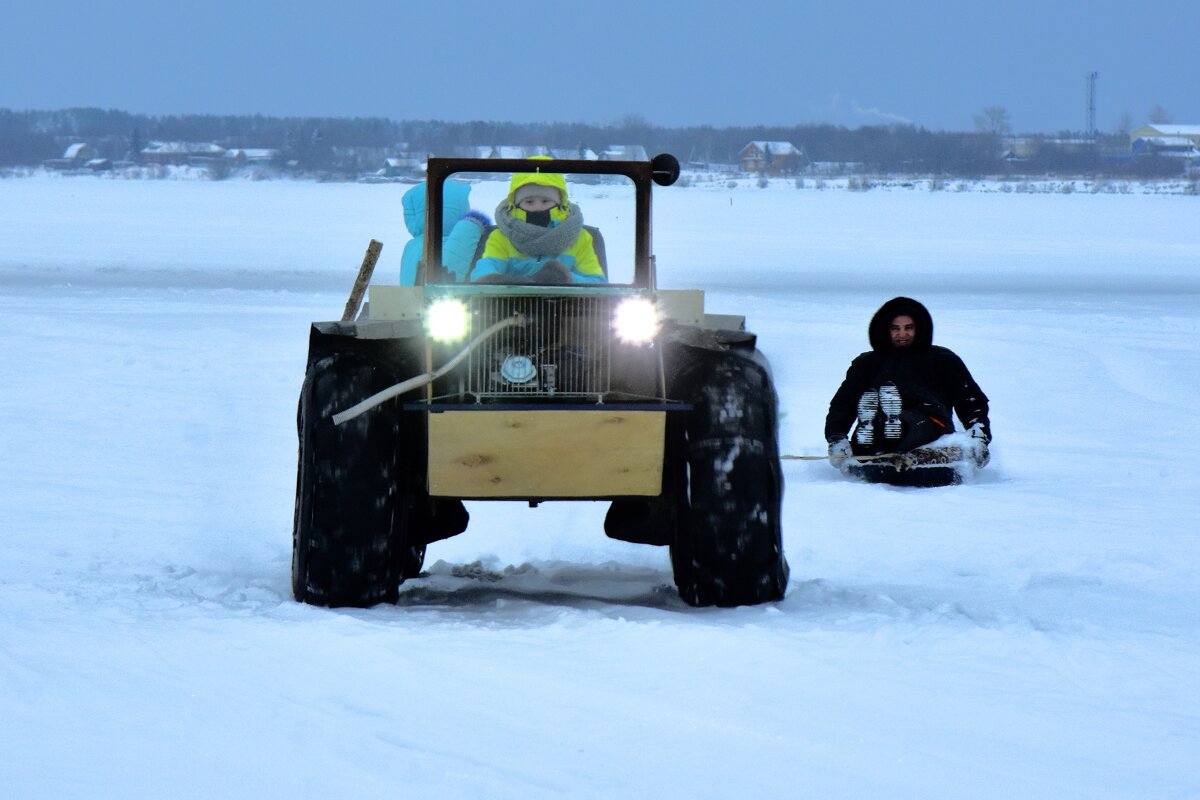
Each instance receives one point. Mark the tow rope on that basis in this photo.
(879, 457)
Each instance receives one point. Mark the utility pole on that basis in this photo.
(1091, 105)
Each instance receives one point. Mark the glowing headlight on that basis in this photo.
(636, 320)
(447, 320)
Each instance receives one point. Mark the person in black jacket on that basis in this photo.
(901, 392)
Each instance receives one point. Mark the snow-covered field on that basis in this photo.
(1033, 634)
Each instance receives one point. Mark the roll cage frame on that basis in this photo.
(662, 169)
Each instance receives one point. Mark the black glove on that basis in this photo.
(552, 272)
(496, 277)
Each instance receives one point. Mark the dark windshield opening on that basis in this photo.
(540, 228)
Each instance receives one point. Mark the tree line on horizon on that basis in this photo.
(344, 145)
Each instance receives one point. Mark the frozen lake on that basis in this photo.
(1032, 634)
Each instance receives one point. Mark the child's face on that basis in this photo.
(536, 204)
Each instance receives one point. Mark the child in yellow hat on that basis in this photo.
(539, 236)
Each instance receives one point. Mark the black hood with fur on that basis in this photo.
(879, 331)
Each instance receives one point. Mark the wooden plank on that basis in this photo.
(362, 280)
(535, 454)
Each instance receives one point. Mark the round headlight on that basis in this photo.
(447, 320)
(636, 320)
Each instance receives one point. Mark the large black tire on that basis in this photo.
(412, 558)
(351, 543)
(728, 548)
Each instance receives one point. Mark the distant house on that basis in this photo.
(75, 156)
(1167, 146)
(180, 153)
(252, 156)
(771, 158)
(80, 153)
(520, 151)
(402, 167)
(624, 152)
(517, 151)
(1171, 141)
(1157, 131)
(575, 153)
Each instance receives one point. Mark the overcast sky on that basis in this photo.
(933, 64)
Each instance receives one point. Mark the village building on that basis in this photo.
(772, 158)
(182, 153)
(517, 151)
(580, 153)
(1189, 132)
(76, 156)
(528, 151)
(252, 156)
(1168, 140)
(624, 152)
(402, 167)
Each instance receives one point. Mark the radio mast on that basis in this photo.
(1091, 105)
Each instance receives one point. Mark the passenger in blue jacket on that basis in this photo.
(462, 225)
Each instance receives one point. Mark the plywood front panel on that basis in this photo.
(560, 453)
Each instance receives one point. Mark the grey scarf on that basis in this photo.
(534, 240)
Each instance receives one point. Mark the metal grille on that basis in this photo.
(564, 349)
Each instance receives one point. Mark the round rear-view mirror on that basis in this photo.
(665, 169)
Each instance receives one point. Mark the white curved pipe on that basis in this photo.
(429, 377)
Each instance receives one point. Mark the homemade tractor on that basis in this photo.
(621, 392)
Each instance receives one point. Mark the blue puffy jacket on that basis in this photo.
(458, 245)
